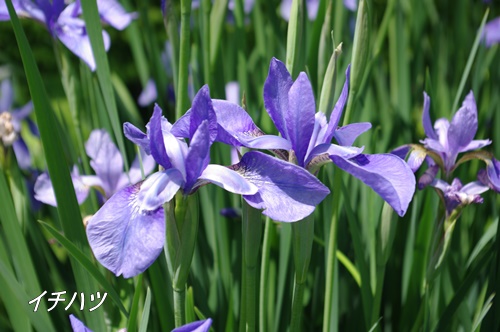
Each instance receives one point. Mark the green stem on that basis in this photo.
(330, 270)
(252, 235)
(264, 275)
(185, 43)
(303, 237)
(180, 306)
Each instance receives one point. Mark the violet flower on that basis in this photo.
(107, 163)
(307, 136)
(10, 124)
(445, 141)
(63, 22)
(491, 176)
(312, 9)
(456, 195)
(491, 32)
(127, 234)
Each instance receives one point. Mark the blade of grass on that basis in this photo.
(134, 310)
(145, 312)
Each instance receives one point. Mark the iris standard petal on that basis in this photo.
(201, 110)
(300, 116)
(198, 326)
(232, 120)
(159, 188)
(426, 118)
(388, 175)
(276, 87)
(281, 184)
(463, 126)
(338, 108)
(135, 135)
(228, 179)
(125, 239)
(156, 143)
(114, 14)
(198, 156)
(346, 135)
(493, 172)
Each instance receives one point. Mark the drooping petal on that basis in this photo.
(346, 135)
(463, 126)
(77, 325)
(106, 159)
(135, 135)
(389, 176)
(338, 108)
(125, 239)
(198, 155)
(276, 87)
(300, 116)
(44, 191)
(159, 188)
(232, 120)
(22, 153)
(475, 144)
(198, 326)
(156, 140)
(281, 184)
(474, 188)
(72, 33)
(114, 14)
(201, 110)
(228, 179)
(426, 118)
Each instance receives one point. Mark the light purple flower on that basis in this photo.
(306, 136)
(492, 32)
(77, 325)
(312, 9)
(198, 326)
(448, 139)
(456, 195)
(107, 163)
(64, 23)
(10, 124)
(127, 234)
(352, 5)
(491, 176)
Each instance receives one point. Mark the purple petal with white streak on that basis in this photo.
(159, 188)
(276, 87)
(201, 110)
(281, 184)
(300, 116)
(125, 239)
(463, 126)
(388, 175)
(228, 179)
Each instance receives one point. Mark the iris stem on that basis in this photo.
(184, 55)
(264, 277)
(180, 306)
(303, 237)
(252, 235)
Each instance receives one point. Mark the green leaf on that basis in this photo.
(134, 311)
(143, 327)
(87, 264)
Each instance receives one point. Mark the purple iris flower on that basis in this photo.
(10, 124)
(64, 23)
(198, 326)
(445, 140)
(107, 163)
(352, 5)
(491, 176)
(492, 32)
(306, 136)
(127, 234)
(457, 195)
